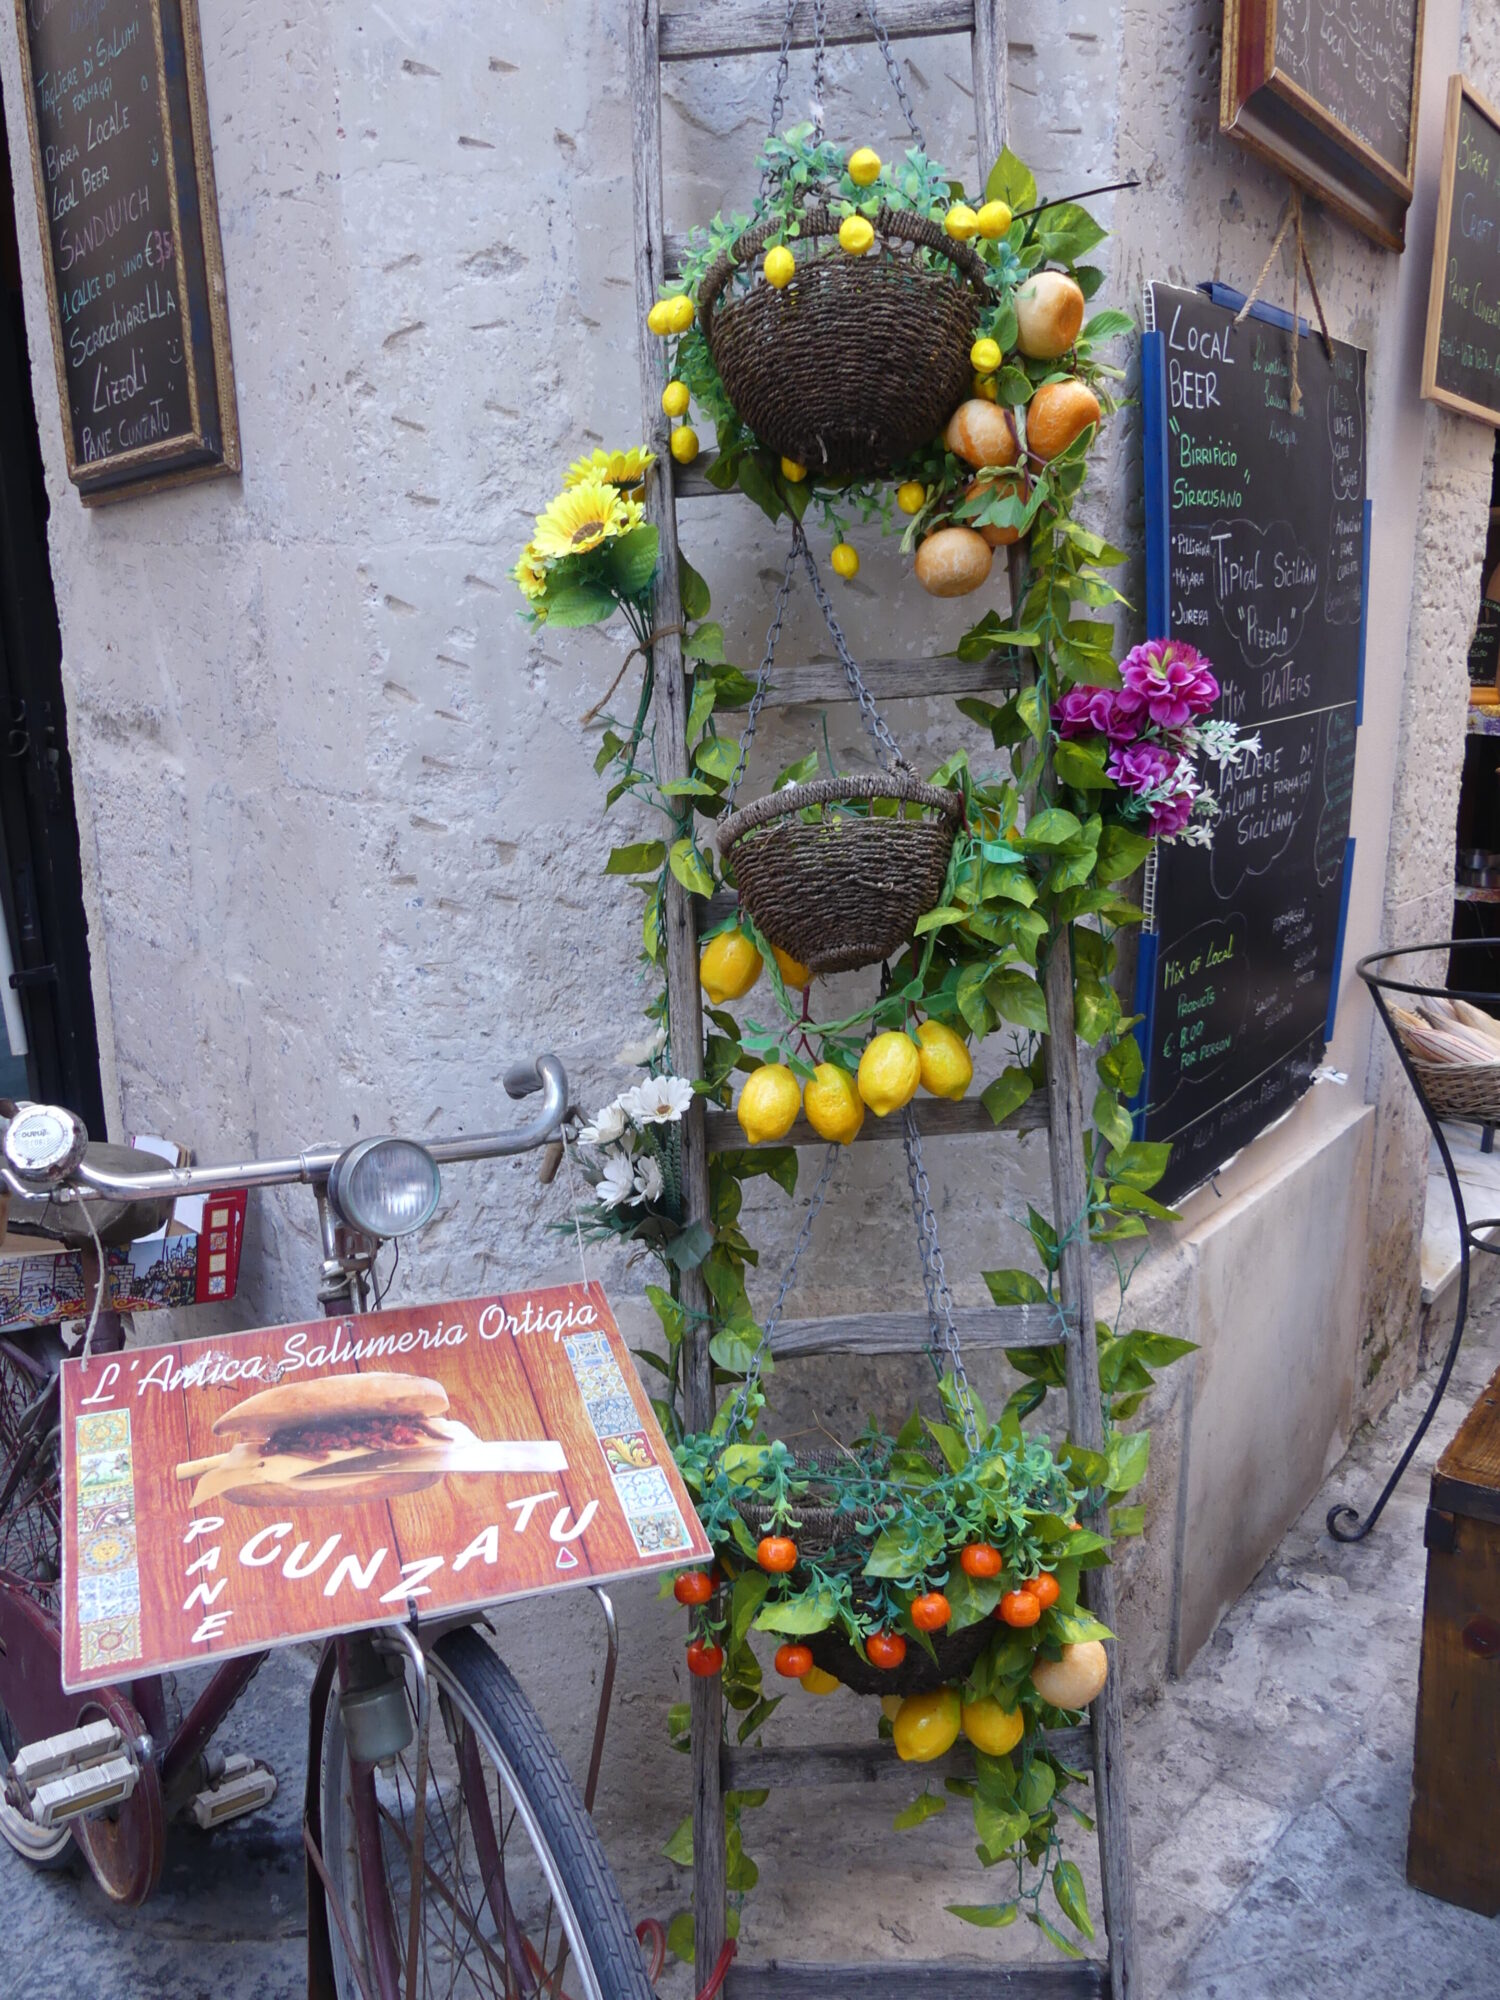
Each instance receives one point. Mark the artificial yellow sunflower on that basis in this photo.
(530, 573)
(614, 468)
(579, 519)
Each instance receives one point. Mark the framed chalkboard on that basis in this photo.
(1461, 360)
(1256, 553)
(1327, 90)
(129, 224)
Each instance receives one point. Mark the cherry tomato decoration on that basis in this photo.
(704, 1659)
(777, 1554)
(794, 1661)
(931, 1612)
(1019, 1607)
(885, 1649)
(980, 1560)
(1045, 1589)
(694, 1586)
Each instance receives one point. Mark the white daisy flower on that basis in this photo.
(606, 1126)
(635, 1053)
(616, 1183)
(648, 1182)
(657, 1100)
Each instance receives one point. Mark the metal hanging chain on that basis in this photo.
(741, 1401)
(762, 677)
(820, 68)
(893, 70)
(934, 1275)
(873, 719)
(778, 96)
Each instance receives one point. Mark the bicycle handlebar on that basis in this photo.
(87, 1182)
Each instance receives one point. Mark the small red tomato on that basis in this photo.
(794, 1661)
(1019, 1607)
(980, 1560)
(776, 1553)
(694, 1586)
(704, 1659)
(932, 1612)
(1045, 1589)
(885, 1649)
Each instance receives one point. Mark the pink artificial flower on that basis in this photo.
(1095, 711)
(1141, 767)
(1171, 680)
(1170, 817)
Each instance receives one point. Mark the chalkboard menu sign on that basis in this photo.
(1327, 91)
(1461, 360)
(130, 238)
(1256, 552)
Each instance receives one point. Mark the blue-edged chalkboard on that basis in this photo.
(1256, 529)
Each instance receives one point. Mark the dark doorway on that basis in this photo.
(48, 1045)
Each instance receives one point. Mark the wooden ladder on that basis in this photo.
(664, 33)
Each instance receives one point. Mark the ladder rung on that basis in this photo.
(750, 27)
(1088, 1979)
(691, 482)
(894, 680)
(937, 1118)
(910, 1333)
(803, 1767)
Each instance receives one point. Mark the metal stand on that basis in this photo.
(1345, 1523)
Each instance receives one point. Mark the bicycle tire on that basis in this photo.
(486, 1690)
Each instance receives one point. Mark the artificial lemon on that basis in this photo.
(728, 967)
(684, 442)
(961, 222)
(835, 1109)
(675, 399)
(817, 1682)
(994, 219)
(659, 319)
(889, 1072)
(911, 496)
(680, 313)
(780, 266)
(993, 1729)
(947, 1070)
(927, 1725)
(845, 560)
(864, 165)
(769, 1104)
(890, 1706)
(985, 355)
(790, 469)
(792, 970)
(855, 235)
(986, 386)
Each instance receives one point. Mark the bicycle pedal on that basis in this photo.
(74, 1750)
(243, 1786)
(78, 1793)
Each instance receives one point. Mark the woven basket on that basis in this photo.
(841, 890)
(857, 362)
(1468, 1092)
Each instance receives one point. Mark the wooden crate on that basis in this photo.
(1451, 1850)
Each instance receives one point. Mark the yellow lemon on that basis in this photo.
(947, 1069)
(675, 399)
(817, 1682)
(659, 319)
(835, 1109)
(961, 222)
(994, 219)
(890, 1706)
(780, 266)
(845, 560)
(769, 1103)
(680, 313)
(855, 235)
(793, 971)
(985, 355)
(790, 469)
(684, 442)
(993, 1729)
(926, 1725)
(911, 496)
(728, 967)
(984, 385)
(864, 165)
(889, 1072)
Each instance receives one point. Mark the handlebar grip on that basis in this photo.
(522, 1079)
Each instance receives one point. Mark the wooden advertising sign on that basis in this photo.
(220, 1496)
(1461, 360)
(1327, 90)
(130, 238)
(1256, 541)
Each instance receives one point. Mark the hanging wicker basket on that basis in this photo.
(838, 889)
(1465, 1092)
(859, 361)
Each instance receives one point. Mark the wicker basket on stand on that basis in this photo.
(841, 889)
(1466, 1092)
(858, 361)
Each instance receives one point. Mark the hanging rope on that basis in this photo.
(1292, 219)
(643, 647)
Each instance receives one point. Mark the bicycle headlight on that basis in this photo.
(385, 1187)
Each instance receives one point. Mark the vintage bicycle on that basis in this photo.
(449, 1850)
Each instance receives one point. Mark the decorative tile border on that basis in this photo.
(108, 1589)
(646, 1497)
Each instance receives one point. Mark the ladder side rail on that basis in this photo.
(685, 1010)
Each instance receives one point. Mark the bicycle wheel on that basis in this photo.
(517, 1896)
